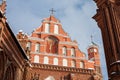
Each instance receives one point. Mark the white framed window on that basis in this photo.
(47, 28)
(28, 45)
(36, 59)
(56, 29)
(55, 61)
(46, 60)
(37, 47)
(65, 62)
(64, 51)
(81, 64)
(73, 52)
(73, 63)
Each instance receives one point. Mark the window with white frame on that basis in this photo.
(64, 62)
(55, 61)
(81, 64)
(56, 29)
(47, 28)
(28, 45)
(64, 51)
(46, 60)
(37, 47)
(73, 52)
(36, 59)
(73, 63)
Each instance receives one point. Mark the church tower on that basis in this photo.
(93, 55)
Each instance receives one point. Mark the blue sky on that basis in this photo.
(75, 16)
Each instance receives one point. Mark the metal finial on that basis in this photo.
(91, 38)
(52, 11)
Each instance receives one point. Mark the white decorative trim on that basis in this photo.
(52, 34)
(91, 68)
(47, 21)
(113, 73)
(94, 46)
(90, 61)
(118, 61)
(68, 43)
(35, 38)
(56, 55)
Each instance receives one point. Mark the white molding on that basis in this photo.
(52, 34)
(57, 55)
(68, 43)
(35, 38)
(47, 21)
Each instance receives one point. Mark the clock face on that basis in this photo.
(91, 50)
(95, 50)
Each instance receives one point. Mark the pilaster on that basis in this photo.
(108, 19)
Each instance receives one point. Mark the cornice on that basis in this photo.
(61, 68)
(47, 21)
(100, 2)
(35, 38)
(52, 34)
(57, 55)
(68, 43)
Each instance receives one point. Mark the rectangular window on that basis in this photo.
(47, 29)
(37, 47)
(56, 29)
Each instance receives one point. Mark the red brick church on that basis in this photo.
(50, 54)
(54, 56)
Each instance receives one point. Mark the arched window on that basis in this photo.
(47, 28)
(9, 72)
(73, 63)
(51, 45)
(81, 64)
(28, 45)
(46, 60)
(64, 51)
(55, 61)
(36, 59)
(64, 62)
(56, 29)
(73, 52)
(37, 47)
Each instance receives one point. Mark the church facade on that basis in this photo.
(54, 56)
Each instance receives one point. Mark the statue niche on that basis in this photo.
(51, 45)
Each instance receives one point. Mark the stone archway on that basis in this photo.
(9, 74)
(2, 63)
(7, 69)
